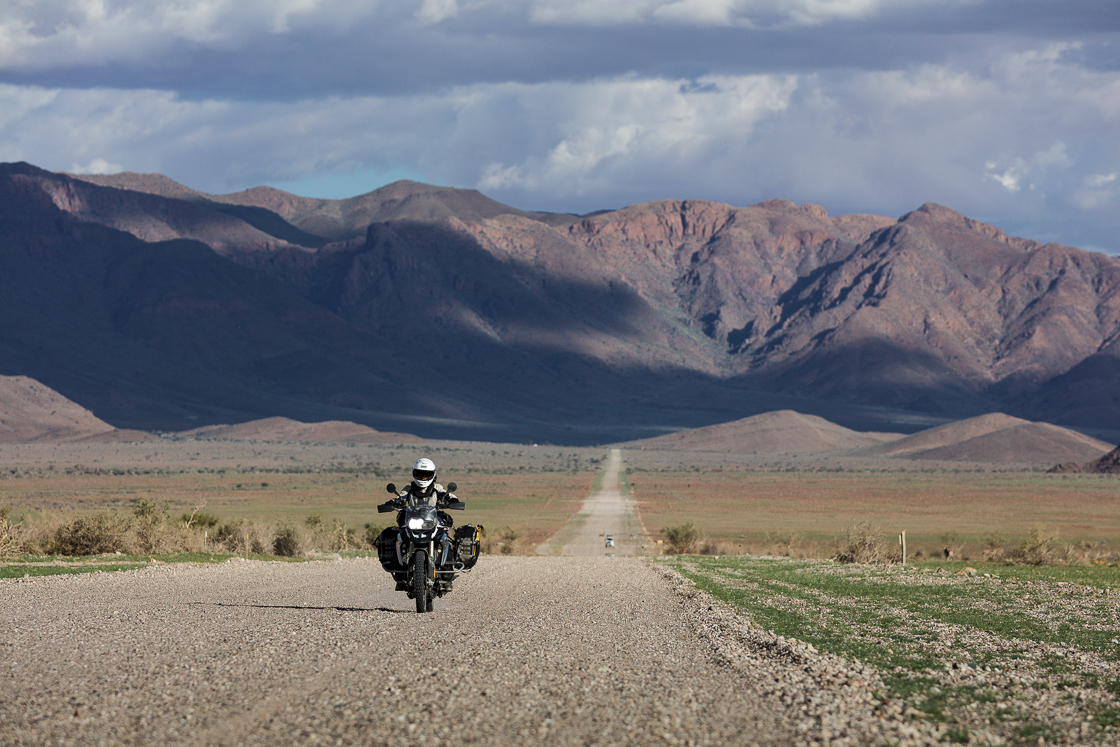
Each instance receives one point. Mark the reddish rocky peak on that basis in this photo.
(674, 221)
(934, 216)
(654, 223)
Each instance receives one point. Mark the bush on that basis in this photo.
(864, 544)
(200, 520)
(149, 527)
(682, 538)
(9, 544)
(504, 542)
(96, 534)
(1038, 549)
(781, 543)
(288, 543)
(145, 509)
(242, 536)
(342, 536)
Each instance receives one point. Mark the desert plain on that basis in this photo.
(791, 503)
(229, 645)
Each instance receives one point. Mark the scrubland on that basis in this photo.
(974, 515)
(215, 498)
(210, 496)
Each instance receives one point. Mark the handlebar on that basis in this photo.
(384, 508)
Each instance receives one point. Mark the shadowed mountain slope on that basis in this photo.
(433, 308)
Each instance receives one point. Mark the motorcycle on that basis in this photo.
(420, 553)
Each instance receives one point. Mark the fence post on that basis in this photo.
(902, 541)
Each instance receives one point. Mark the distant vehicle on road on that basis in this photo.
(610, 542)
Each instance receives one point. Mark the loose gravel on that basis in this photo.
(539, 650)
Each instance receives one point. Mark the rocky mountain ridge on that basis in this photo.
(419, 304)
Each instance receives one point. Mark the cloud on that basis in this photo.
(434, 11)
(97, 166)
(1098, 192)
(1029, 171)
(740, 13)
(60, 33)
(860, 105)
(609, 131)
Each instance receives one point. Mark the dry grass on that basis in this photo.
(329, 503)
(864, 543)
(806, 514)
(242, 494)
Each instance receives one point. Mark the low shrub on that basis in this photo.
(288, 543)
(95, 534)
(244, 537)
(864, 543)
(781, 543)
(682, 538)
(505, 542)
(343, 537)
(200, 520)
(708, 547)
(1037, 549)
(9, 543)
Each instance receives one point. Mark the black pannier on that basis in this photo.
(387, 551)
(467, 544)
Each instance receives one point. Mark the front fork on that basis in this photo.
(406, 549)
(442, 553)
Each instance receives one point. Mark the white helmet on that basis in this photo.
(424, 472)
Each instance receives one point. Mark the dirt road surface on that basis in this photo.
(586, 649)
(605, 513)
(526, 650)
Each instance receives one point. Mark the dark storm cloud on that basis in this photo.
(1004, 110)
(388, 51)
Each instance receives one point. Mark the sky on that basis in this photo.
(1005, 110)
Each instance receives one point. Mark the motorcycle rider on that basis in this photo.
(423, 489)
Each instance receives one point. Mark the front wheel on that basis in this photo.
(420, 581)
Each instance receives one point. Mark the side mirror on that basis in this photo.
(390, 488)
(452, 487)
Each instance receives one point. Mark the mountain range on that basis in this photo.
(440, 312)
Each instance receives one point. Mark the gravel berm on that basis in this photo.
(526, 650)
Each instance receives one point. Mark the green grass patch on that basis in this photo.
(1100, 577)
(940, 639)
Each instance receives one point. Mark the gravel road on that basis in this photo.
(586, 649)
(605, 513)
(532, 650)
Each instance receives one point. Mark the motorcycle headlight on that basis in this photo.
(421, 524)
